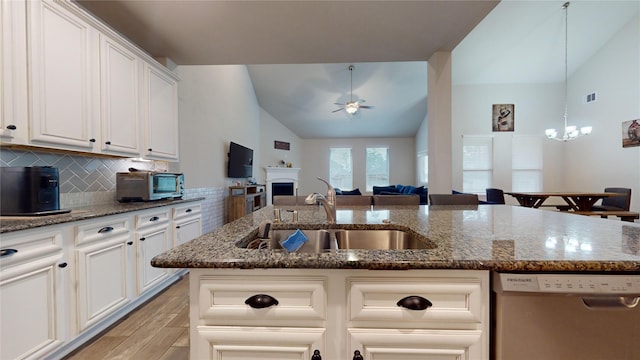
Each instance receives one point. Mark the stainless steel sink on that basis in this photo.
(318, 240)
(380, 239)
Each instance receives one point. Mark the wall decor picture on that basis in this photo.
(503, 117)
(281, 145)
(631, 133)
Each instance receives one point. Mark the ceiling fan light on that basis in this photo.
(551, 133)
(351, 107)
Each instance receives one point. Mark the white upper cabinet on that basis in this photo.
(63, 77)
(121, 76)
(13, 73)
(161, 114)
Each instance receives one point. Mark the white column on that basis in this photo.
(439, 123)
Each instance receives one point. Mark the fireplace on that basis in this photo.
(281, 181)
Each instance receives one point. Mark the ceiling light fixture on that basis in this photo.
(570, 132)
(351, 107)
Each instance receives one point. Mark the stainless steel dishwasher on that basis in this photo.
(564, 317)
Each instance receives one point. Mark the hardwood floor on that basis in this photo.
(157, 330)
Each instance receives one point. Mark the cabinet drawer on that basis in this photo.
(223, 299)
(152, 218)
(457, 300)
(21, 246)
(101, 230)
(186, 210)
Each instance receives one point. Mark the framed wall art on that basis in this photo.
(631, 133)
(503, 118)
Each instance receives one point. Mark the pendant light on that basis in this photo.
(570, 132)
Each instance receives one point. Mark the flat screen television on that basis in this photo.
(240, 161)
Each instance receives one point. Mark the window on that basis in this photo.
(377, 167)
(423, 168)
(477, 163)
(340, 168)
(526, 163)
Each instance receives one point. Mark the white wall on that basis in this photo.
(272, 130)
(315, 161)
(422, 138)
(217, 105)
(614, 74)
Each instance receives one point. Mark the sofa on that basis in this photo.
(391, 190)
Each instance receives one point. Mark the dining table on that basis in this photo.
(576, 201)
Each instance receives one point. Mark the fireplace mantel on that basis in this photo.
(280, 175)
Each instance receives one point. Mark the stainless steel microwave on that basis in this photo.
(142, 185)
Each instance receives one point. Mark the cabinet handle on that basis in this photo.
(414, 303)
(62, 265)
(7, 252)
(143, 239)
(316, 355)
(107, 142)
(92, 140)
(11, 127)
(155, 218)
(150, 149)
(357, 355)
(177, 226)
(261, 301)
(188, 210)
(105, 229)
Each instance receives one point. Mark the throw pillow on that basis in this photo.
(355, 191)
(377, 190)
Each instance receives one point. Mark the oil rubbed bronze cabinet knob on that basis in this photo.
(108, 142)
(11, 127)
(261, 301)
(92, 140)
(414, 303)
(357, 355)
(316, 355)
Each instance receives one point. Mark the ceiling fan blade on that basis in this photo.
(338, 104)
(365, 107)
(337, 110)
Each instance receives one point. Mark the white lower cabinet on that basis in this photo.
(187, 223)
(383, 315)
(105, 255)
(60, 285)
(34, 274)
(152, 238)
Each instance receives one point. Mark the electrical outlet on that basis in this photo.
(591, 97)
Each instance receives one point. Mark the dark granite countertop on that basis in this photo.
(15, 223)
(491, 237)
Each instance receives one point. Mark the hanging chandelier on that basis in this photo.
(570, 132)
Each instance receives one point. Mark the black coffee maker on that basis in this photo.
(29, 191)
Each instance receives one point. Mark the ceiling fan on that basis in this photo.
(351, 107)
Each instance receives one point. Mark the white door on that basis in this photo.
(121, 76)
(161, 105)
(103, 273)
(63, 75)
(251, 343)
(32, 312)
(151, 242)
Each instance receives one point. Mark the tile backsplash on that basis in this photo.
(84, 180)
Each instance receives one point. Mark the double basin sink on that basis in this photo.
(321, 240)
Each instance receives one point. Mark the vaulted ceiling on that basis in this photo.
(298, 52)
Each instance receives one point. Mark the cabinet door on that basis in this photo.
(161, 114)
(63, 76)
(249, 343)
(151, 242)
(32, 296)
(407, 344)
(103, 273)
(13, 73)
(186, 230)
(121, 74)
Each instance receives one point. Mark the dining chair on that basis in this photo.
(613, 203)
(352, 200)
(453, 199)
(495, 196)
(379, 200)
